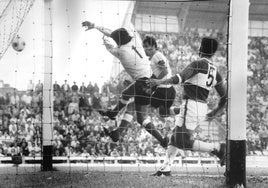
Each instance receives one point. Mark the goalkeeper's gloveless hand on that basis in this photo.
(88, 25)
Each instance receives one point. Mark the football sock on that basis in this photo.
(151, 129)
(171, 153)
(205, 146)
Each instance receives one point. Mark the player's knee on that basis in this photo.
(124, 101)
(128, 117)
(125, 98)
(143, 120)
(174, 110)
(127, 94)
(182, 142)
(140, 120)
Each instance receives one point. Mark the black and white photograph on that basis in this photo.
(133, 93)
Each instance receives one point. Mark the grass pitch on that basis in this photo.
(83, 178)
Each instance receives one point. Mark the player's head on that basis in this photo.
(149, 45)
(208, 47)
(121, 36)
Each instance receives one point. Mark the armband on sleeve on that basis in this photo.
(176, 79)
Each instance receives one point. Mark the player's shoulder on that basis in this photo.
(201, 63)
(159, 56)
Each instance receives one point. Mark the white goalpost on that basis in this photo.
(67, 122)
(237, 93)
(47, 120)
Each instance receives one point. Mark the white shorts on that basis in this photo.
(192, 113)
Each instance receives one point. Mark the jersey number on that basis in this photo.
(210, 76)
(135, 49)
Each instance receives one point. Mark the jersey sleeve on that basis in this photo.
(160, 60)
(219, 78)
(113, 50)
(220, 86)
(190, 70)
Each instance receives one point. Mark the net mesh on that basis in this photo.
(13, 13)
(87, 78)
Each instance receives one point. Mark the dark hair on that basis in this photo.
(208, 46)
(121, 36)
(150, 40)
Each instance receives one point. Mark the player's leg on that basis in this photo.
(144, 120)
(181, 138)
(163, 98)
(173, 110)
(128, 93)
(142, 101)
(217, 149)
(127, 118)
(125, 122)
(196, 112)
(165, 169)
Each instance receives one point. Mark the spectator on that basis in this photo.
(30, 86)
(56, 87)
(114, 153)
(96, 101)
(263, 134)
(85, 153)
(83, 88)
(24, 147)
(96, 88)
(39, 87)
(73, 106)
(12, 127)
(65, 87)
(74, 88)
(90, 88)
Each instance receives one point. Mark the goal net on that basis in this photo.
(88, 78)
(12, 15)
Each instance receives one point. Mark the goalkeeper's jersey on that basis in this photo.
(133, 58)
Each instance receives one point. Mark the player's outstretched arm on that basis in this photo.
(179, 78)
(173, 80)
(90, 25)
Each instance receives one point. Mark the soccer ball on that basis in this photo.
(18, 44)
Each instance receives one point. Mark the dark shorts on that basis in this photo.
(139, 90)
(163, 97)
(182, 138)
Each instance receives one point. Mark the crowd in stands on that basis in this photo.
(257, 125)
(78, 128)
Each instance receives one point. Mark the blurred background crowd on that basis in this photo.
(78, 127)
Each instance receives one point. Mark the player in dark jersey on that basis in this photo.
(198, 78)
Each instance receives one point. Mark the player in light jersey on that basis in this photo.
(198, 78)
(163, 95)
(130, 52)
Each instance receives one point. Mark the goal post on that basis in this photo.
(47, 120)
(237, 93)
